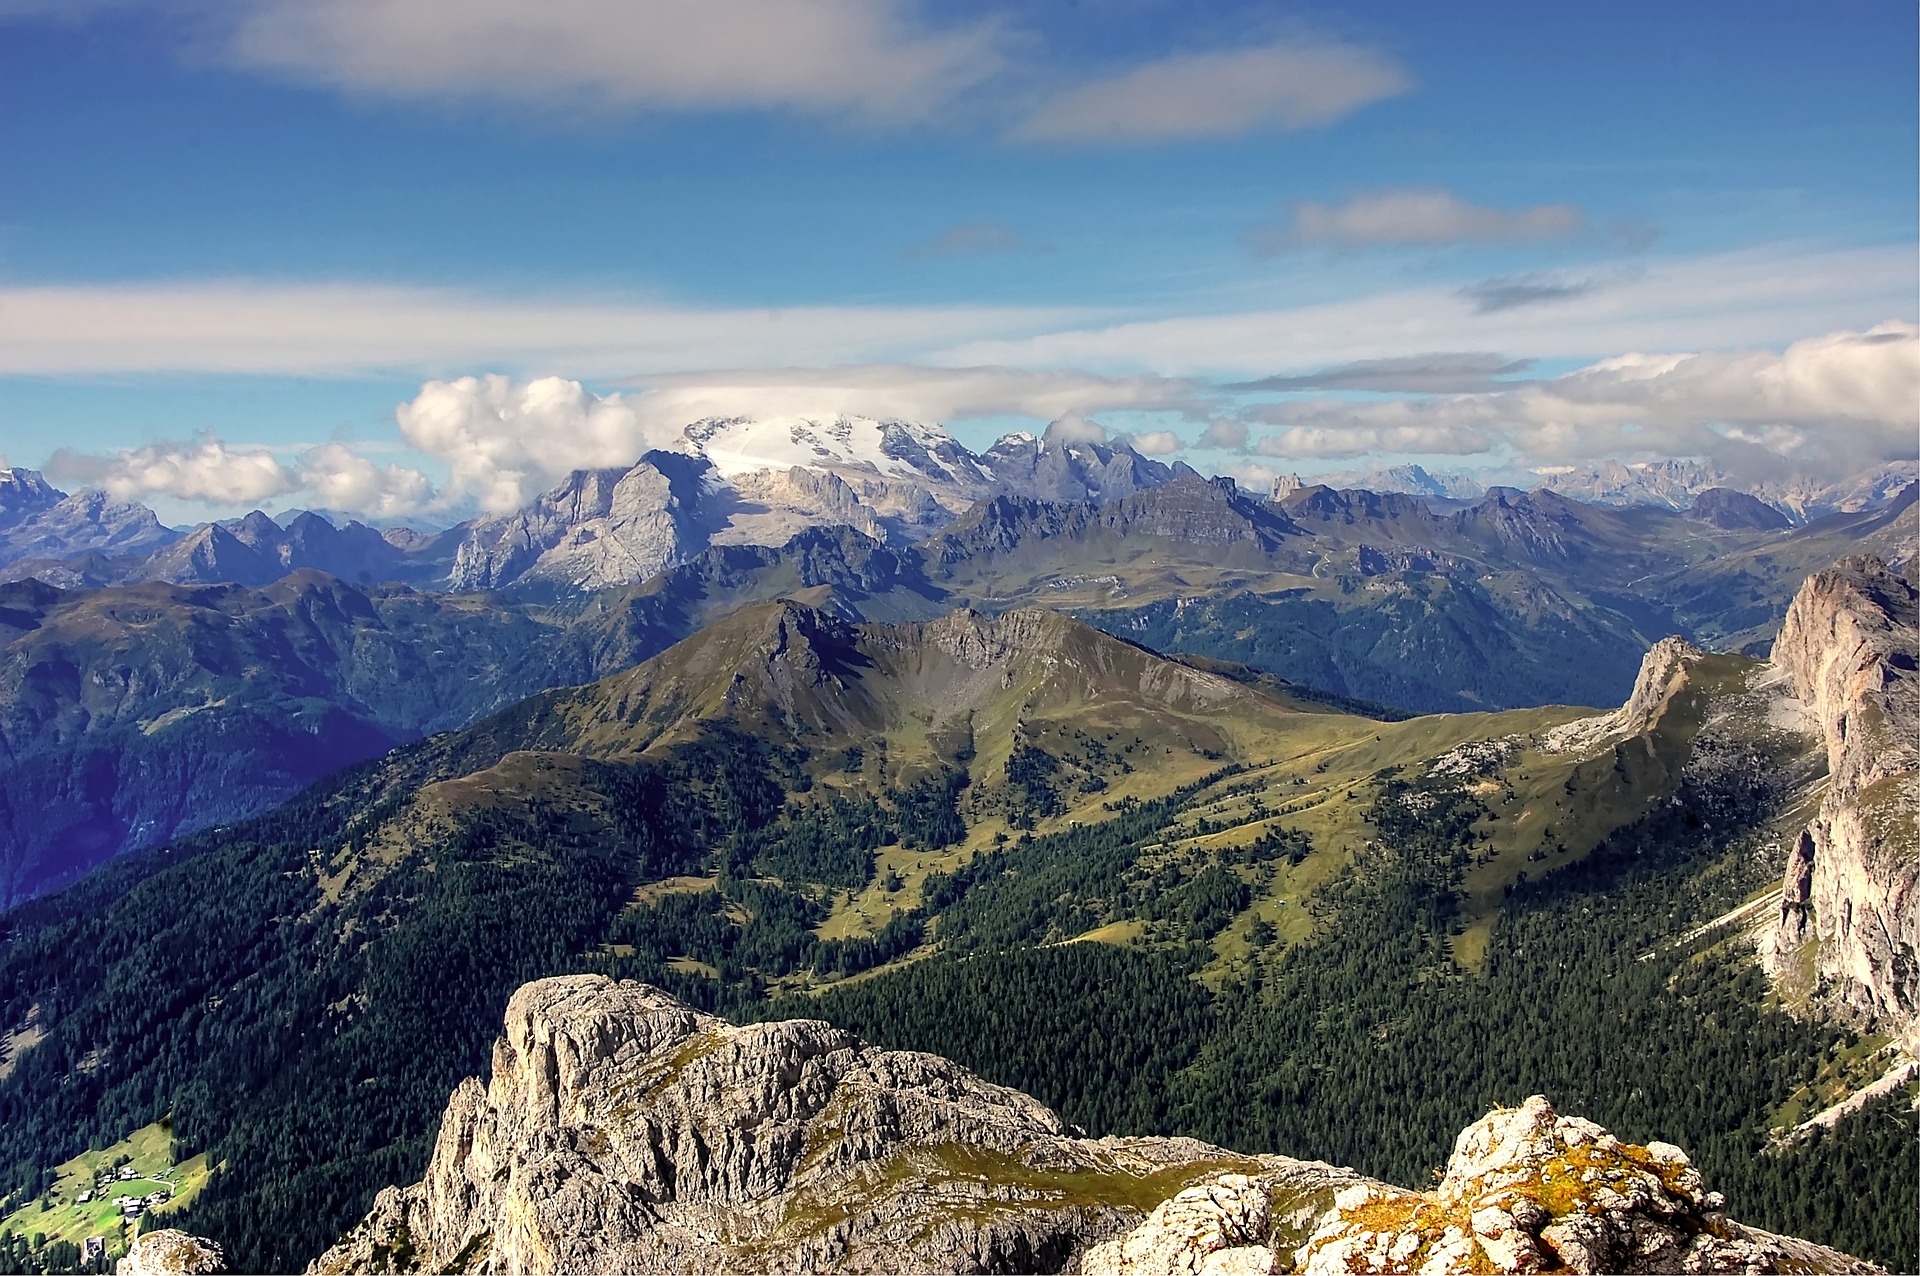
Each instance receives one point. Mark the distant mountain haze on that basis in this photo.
(1518, 600)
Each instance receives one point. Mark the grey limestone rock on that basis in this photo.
(624, 1132)
(1851, 647)
(172, 1252)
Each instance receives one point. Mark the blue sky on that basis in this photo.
(235, 225)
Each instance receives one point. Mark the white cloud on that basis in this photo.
(1251, 475)
(330, 329)
(1065, 431)
(1425, 217)
(1225, 432)
(1761, 297)
(1318, 441)
(1287, 84)
(211, 472)
(864, 59)
(1156, 443)
(1831, 404)
(504, 442)
(341, 479)
(912, 392)
(206, 471)
(1754, 298)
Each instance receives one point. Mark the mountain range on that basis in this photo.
(1673, 484)
(1165, 898)
(761, 481)
(1520, 599)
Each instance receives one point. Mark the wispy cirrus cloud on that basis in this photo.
(1761, 297)
(1441, 373)
(255, 327)
(969, 239)
(1424, 217)
(1510, 292)
(1766, 296)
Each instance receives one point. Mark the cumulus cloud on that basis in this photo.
(866, 59)
(342, 479)
(504, 441)
(206, 471)
(1826, 405)
(1833, 402)
(1155, 443)
(969, 239)
(1420, 373)
(1225, 432)
(1073, 428)
(1423, 217)
(1288, 84)
(1251, 475)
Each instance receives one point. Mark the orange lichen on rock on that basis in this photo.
(1528, 1190)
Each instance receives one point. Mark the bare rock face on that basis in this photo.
(625, 1132)
(622, 1131)
(172, 1253)
(598, 528)
(1527, 1190)
(1851, 646)
(1663, 672)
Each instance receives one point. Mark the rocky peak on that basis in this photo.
(1062, 466)
(1663, 672)
(24, 492)
(1200, 510)
(171, 1252)
(1540, 523)
(1851, 647)
(1732, 510)
(1529, 1190)
(624, 1131)
(596, 528)
(87, 520)
(977, 640)
(1351, 505)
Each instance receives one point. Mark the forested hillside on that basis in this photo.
(1161, 899)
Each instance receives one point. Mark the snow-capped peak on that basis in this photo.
(892, 449)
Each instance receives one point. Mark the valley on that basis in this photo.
(1162, 897)
(1520, 600)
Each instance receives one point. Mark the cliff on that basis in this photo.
(623, 1131)
(1850, 911)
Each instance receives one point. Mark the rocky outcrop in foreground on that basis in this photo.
(1850, 905)
(625, 1132)
(1527, 1190)
(172, 1252)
